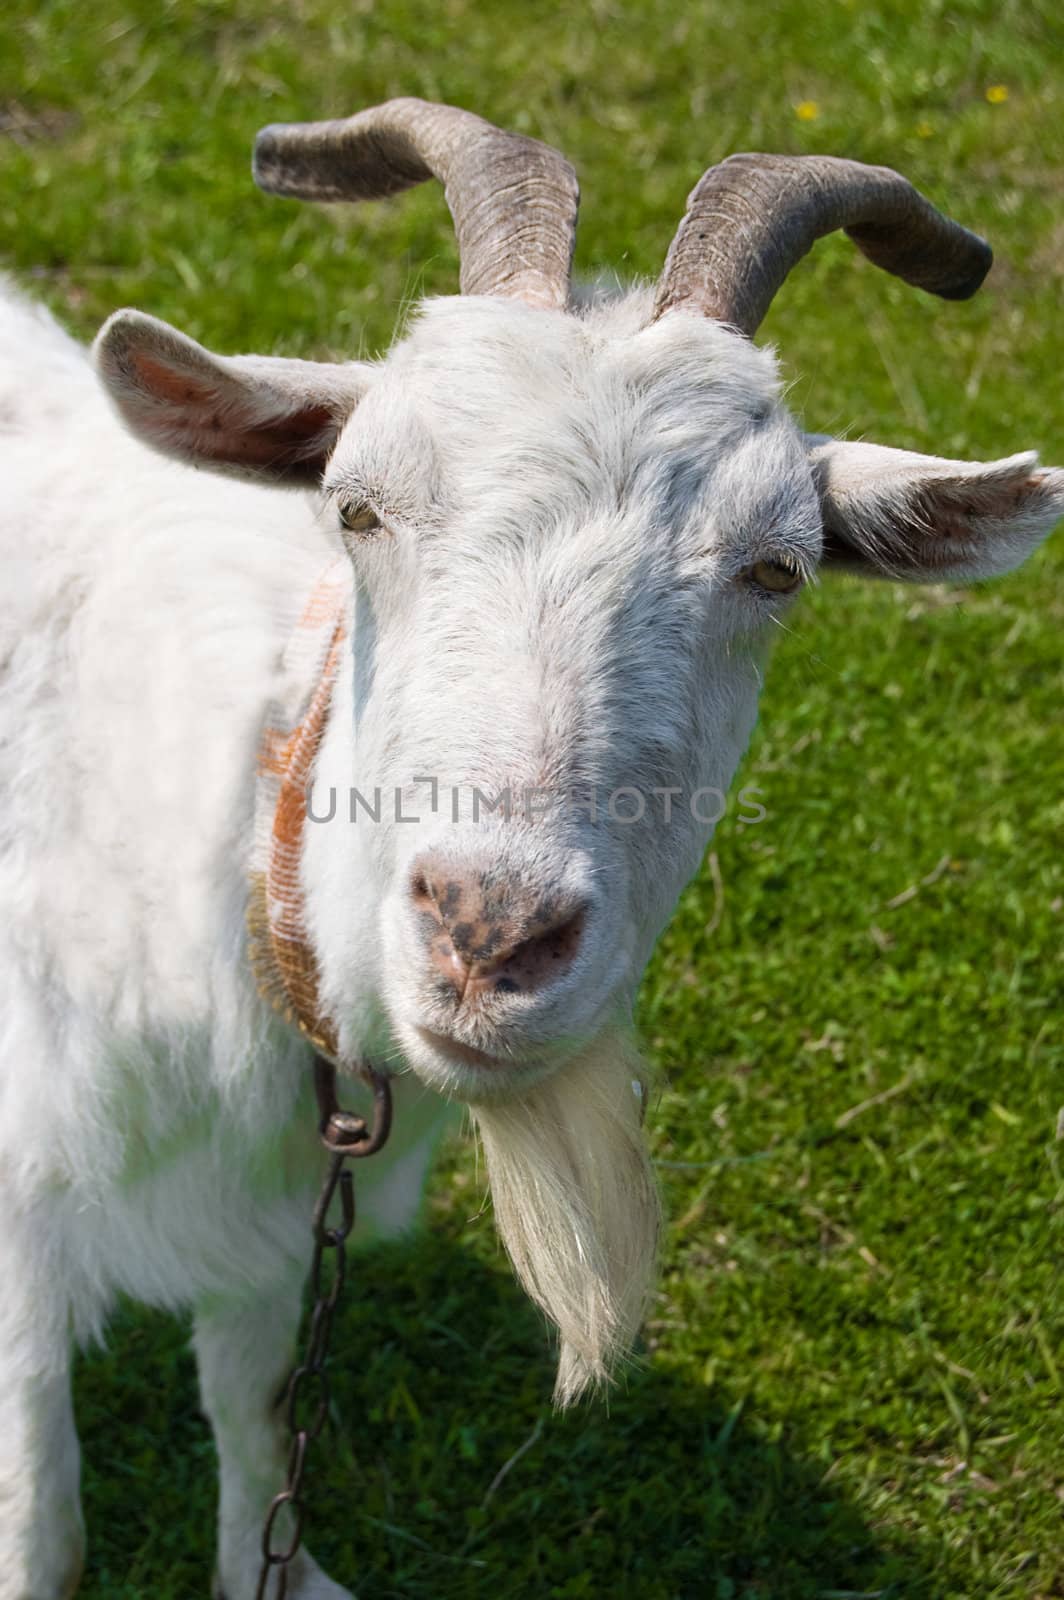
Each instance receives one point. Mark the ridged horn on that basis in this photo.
(751, 218)
(514, 201)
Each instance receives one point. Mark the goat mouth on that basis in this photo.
(467, 1054)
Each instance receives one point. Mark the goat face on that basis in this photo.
(558, 629)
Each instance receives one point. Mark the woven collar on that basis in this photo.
(282, 960)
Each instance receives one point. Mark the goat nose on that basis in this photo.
(486, 936)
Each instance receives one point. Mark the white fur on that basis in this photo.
(560, 599)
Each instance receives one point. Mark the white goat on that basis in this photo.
(568, 532)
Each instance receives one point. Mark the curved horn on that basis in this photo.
(513, 200)
(753, 217)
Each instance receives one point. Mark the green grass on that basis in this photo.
(851, 1382)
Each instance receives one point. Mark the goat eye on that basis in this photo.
(359, 517)
(778, 577)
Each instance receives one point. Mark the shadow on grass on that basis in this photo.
(441, 1374)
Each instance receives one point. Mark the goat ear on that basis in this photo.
(251, 415)
(893, 514)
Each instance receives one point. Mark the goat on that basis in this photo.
(529, 561)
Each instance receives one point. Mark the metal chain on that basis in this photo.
(346, 1137)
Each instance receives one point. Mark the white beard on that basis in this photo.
(577, 1206)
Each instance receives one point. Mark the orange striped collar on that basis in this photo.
(282, 960)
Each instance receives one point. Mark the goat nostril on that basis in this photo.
(560, 942)
(536, 961)
(423, 896)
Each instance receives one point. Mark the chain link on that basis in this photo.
(346, 1137)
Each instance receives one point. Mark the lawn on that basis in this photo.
(850, 1384)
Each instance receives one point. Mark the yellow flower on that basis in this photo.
(997, 94)
(807, 111)
(925, 129)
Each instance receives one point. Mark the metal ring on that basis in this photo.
(281, 1558)
(349, 1136)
